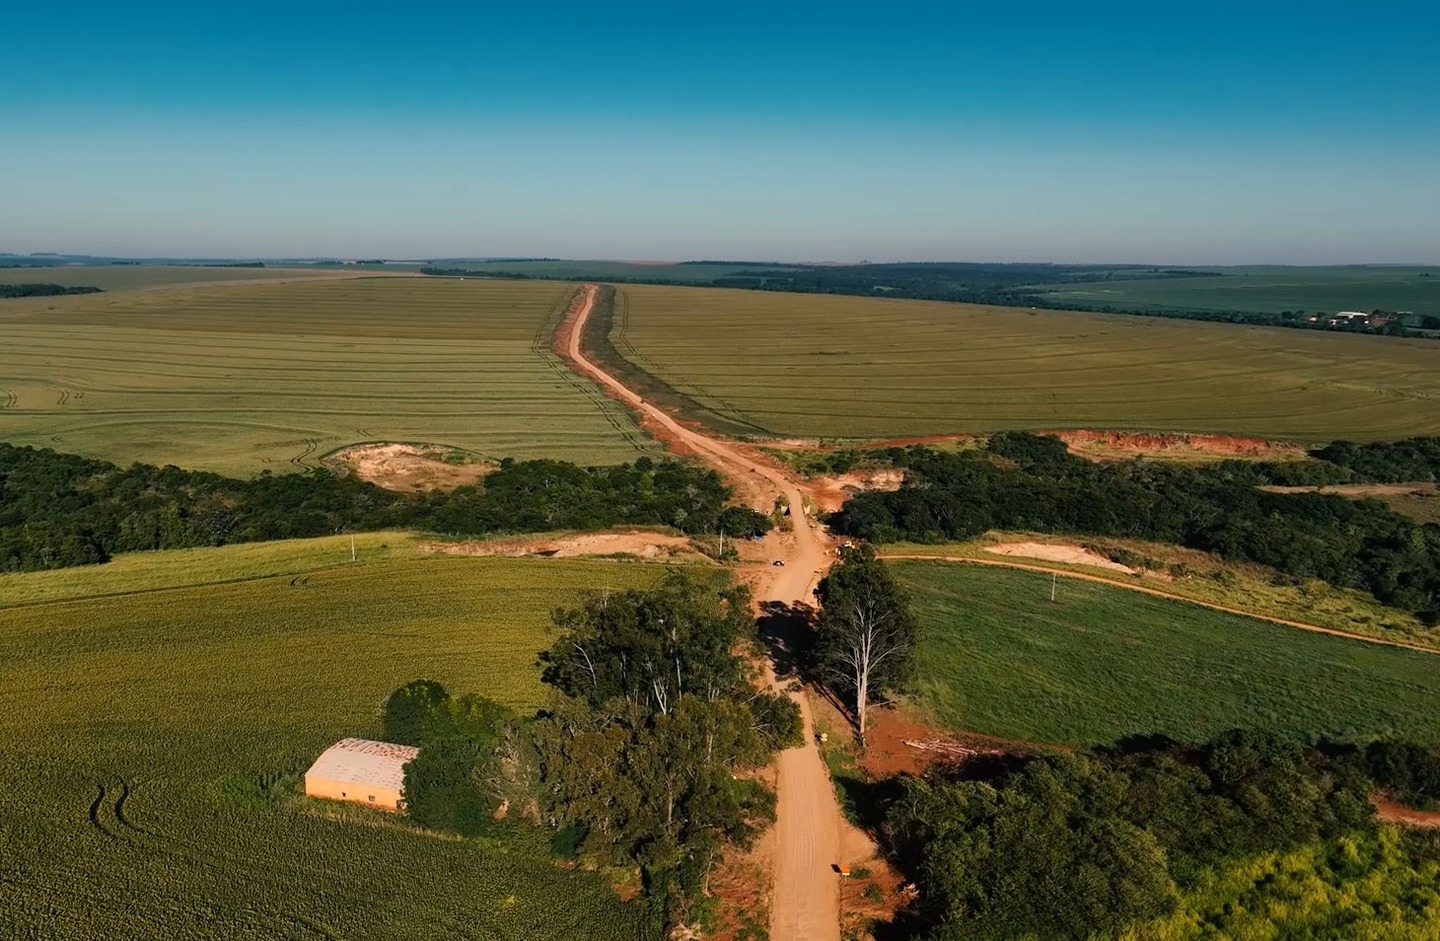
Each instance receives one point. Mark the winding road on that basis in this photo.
(810, 833)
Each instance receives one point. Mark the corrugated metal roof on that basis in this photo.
(364, 762)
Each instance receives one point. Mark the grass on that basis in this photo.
(1255, 589)
(135, 572)
(1271, 290)
(242, 378)
(845, 367)
(1100, 663)
(153, 744)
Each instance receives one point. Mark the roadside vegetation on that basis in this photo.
(60, 510)
(240, 378)
(647, 762)
(155, 743)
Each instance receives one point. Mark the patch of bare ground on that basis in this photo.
(830, 493)
(1391, 812)
(1049, 552)
(1123, 446)
(637, 543)
(409, 468)
(1362, 490)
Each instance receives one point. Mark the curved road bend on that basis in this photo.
(809, 826)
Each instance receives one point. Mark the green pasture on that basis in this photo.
(846, 367)
(1099, 663)
(1270, 290)
(152, 743)
(249, 377)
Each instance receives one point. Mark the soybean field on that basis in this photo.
(241, 378)
(154, 742)
(1099, 663)
(771, 364)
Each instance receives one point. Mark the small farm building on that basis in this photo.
(357, 769)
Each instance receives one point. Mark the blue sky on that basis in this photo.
(1222, 133)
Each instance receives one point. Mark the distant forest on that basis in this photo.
(1001, 285)
(43, 290)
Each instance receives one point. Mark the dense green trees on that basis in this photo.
(647, 761)
(651, 648)
(865, 636)
(43, 290)
(60, 509)
(1027, 482)
(1069, 846)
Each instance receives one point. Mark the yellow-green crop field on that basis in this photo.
(152, 740)
(125, 277)
(846, 367)
(238, 378)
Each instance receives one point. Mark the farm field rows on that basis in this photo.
(1271, 290)
(127, 277)
(998, 658)
(842, 367)
(151, 742)
(243, 378)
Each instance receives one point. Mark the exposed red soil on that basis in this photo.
(560, 346)
(1123, 445)
(1391, 812)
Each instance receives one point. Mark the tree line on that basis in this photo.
(43, 290)
(646, 759)
(60, 509)
(1029, 285)
(1030, 482)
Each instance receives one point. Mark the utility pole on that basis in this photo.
(352, 547)
(1054, 577)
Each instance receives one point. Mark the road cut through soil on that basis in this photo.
(811, 837)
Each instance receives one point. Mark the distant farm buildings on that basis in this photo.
(1357, 318)
(359, 770)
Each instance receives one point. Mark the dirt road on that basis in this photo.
(810, 831)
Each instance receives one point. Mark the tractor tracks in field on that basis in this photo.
(543, 345)
(302, 460)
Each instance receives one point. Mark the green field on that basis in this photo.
(1270, 290)
(844, 367)
(240, 378)
(136, 729)
(127, 277)
(1101, 663)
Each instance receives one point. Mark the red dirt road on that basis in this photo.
(810, 833)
